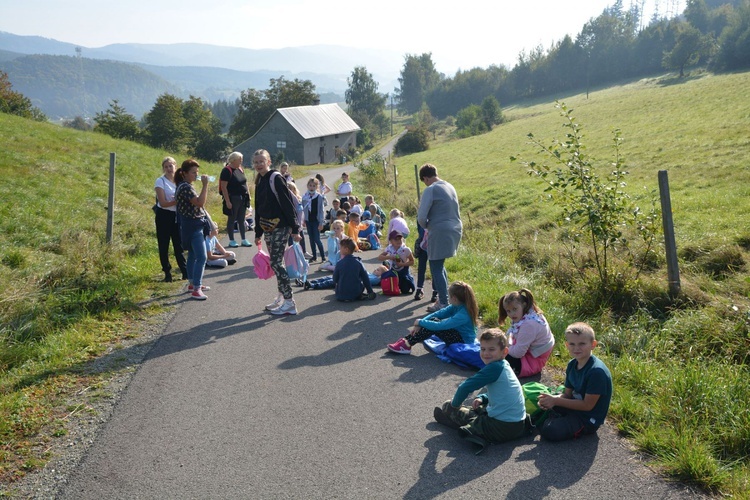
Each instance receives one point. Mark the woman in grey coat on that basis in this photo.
(439, 213)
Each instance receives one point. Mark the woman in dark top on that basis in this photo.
(166, 219)
(275, 221)
(233, 185)
(192, 218)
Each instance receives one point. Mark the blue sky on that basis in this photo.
(459, 35)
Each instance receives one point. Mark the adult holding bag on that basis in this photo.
(233, 187)
(276, 220)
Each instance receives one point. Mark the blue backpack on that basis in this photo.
(295, 262)
(374, 241)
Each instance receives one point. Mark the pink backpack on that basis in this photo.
(262, 265)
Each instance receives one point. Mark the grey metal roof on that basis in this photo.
(318, 121)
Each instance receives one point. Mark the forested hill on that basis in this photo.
(64, 86)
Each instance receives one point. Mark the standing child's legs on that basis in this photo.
(315, 241)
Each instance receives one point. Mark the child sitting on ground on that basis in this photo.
(583, 406)
(456, 323)
(530, 338)
(217, 255)
(497, 416)
(326, 282)
(353, 229)
(399, 258)
(398, 223)
(334, 239)
(350, 277)
(331, 214)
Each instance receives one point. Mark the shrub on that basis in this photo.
(414, 140)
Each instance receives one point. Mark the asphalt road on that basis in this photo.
(232, 402)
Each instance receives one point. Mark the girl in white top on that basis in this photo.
(345, 188)
(397, 222)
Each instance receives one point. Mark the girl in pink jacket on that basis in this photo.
(530, 338)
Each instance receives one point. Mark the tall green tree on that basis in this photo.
(256, 106)
(204, 128)
(418, 78)
(117, 122)
(362, 97)
(690, 46)
(166, 126)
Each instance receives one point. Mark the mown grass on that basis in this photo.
(679, 366)
(681, 380)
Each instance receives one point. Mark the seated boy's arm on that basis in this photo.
(490, 373)
(547, 402)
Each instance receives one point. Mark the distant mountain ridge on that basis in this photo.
(332, 63)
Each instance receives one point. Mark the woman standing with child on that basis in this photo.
(440, 215)
(166, 220)
(276, 221)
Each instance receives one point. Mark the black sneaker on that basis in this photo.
(434, 296)
(418, 294)
(307, 285)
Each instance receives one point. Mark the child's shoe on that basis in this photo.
(400, 347)
(204, 288)
(443, 418)
(233, 244)
(276, 303)
(418, 294)
(288, 307)
(198, 295)
(307, 285)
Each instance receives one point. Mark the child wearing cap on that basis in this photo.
(400, 259)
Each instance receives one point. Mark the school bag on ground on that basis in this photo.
(389, 283)
(374, 241)
(531, 393)
(295, 262)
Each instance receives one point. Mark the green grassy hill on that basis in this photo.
(680, 370)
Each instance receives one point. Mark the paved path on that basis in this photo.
(234, 403)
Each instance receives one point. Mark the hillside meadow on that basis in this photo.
(681, 381)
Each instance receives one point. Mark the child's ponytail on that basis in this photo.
(465, 295)
(523, 297)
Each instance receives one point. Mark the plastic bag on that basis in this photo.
(295, 262)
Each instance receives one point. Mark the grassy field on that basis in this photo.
(680, 372)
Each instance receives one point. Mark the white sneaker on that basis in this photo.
(288, 307)
(276, 303)
(436, 307)
(308, 255)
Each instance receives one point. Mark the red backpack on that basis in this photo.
(389, 283)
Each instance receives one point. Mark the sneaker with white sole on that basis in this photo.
(276, 303)
(400, 347)
(204, 288)
(288, 307)
(198, 295)
(436, 307)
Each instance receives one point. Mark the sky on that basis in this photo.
(459, 35)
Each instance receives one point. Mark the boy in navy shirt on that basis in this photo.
(582, 408)
(350, 276)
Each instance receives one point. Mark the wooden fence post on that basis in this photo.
(111, 199)
(416, 176)
(673, 270)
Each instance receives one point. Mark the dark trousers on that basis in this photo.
(422, 334)
(237, 216)
(168, 230)
(563, 424)
(315, 243)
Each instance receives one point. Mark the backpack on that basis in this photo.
(389, 283)
(262, 265)
(374, 241)
(295, 262)
(531, 393)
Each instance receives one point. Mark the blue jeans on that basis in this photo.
(439, 279)
(195, 242)
(314, 233)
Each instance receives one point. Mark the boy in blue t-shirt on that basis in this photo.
(582, 408)
(497, 416)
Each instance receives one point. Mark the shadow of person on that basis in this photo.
(436, 479)
(560, 466)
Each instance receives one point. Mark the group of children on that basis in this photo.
(499, 414)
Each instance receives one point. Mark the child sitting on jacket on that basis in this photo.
(497, 416)
(334, 239)
(217, 255)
